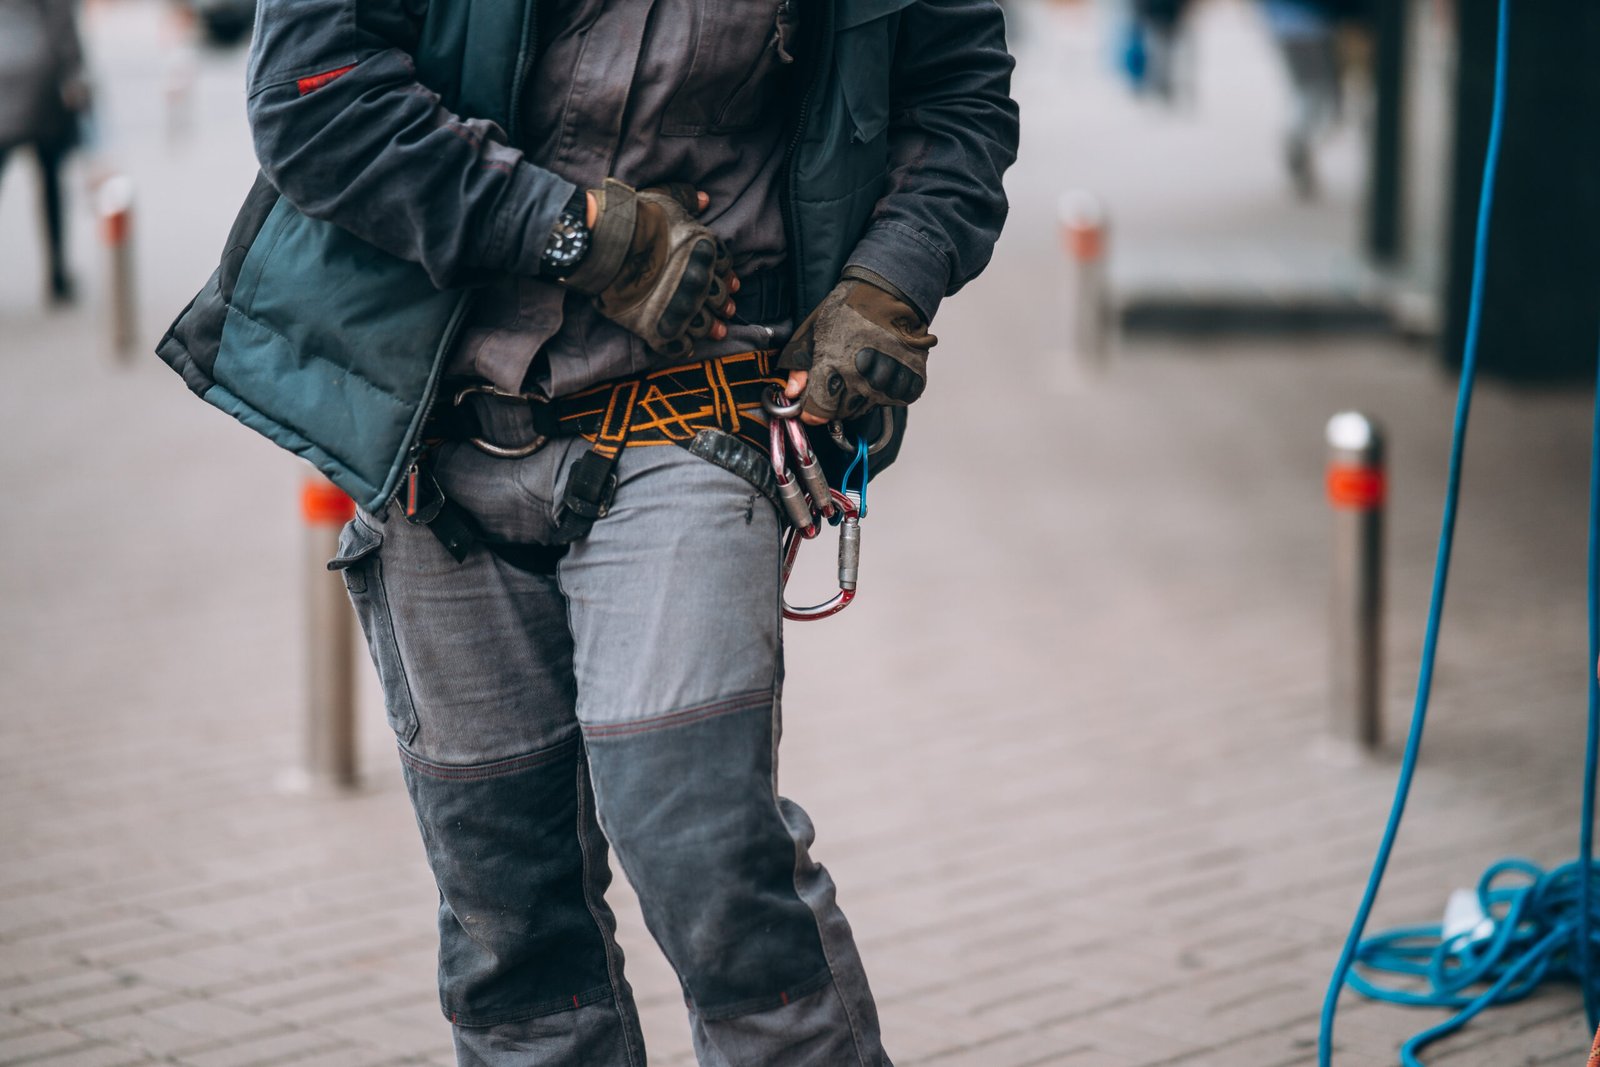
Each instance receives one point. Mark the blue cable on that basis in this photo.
(1408, 764)
(1540, 929)
(1586, 903)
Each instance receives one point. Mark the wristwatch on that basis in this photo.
(568, 242)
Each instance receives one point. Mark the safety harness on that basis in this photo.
(728, 409)
(673, 406)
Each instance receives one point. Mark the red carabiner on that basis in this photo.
(849, 562)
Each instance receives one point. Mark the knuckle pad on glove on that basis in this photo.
(876, 368)
(690, 294)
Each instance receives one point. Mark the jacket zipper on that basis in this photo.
(530, 41)
(786, 202)
(452, 330)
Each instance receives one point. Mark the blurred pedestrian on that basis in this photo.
(43, 96)
(1159, 26)
(1307, 32)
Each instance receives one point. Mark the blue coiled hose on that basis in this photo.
(1541, 922)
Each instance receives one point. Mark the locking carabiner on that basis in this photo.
(785, 434)
(849, 562)
(807, 498)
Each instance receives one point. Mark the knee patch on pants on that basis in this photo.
(688, 804)
(517, 938)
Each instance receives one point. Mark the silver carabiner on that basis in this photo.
(836, 432)
(849, 563)
(778, 408)
(782, 425)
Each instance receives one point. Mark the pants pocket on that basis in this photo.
(361, 563)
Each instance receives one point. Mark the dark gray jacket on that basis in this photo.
(386, 131)
(39, 54)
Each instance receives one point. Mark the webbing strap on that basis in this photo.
(592, 481)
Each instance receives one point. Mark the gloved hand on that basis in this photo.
(652, 269)
(863, 347)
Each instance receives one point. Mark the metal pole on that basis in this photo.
(1386, 171)
(1081, 218)
(330, 737)
(1356, 491)
(114, 200)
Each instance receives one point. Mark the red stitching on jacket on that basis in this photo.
(317, 81)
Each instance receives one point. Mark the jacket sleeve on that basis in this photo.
(952, 134)
(345, 131)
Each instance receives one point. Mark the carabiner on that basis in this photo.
(836, 432)
(782, 426)
(849, 563)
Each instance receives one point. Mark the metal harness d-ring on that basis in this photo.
(489, 447)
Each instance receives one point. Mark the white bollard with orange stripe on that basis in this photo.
(1357, 487)
(1082, 224)
(330, 729)
(114, 203)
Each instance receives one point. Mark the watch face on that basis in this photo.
(568, 243)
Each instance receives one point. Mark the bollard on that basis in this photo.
(330, 738)
(179, 93)
(1081, 218)
(1356, 488)
(114, 202)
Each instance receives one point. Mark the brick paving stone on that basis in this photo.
(1090, 1057)
(183, 1027)
(425, 1036)
(86, 1007)
(350, 1056)
(283, 1047)
(32, 1044)
(94, 1056)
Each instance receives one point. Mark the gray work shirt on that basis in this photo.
(646, 91)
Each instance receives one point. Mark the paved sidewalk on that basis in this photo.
(1061, 753)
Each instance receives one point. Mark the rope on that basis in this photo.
(1532, 931)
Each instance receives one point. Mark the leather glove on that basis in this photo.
(651, 268)
(864, 347)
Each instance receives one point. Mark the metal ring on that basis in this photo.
(486, 389)
(775, 406)
(502, 452)
(489, 448)
(836, 432)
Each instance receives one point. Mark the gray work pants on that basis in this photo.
(631, 699)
